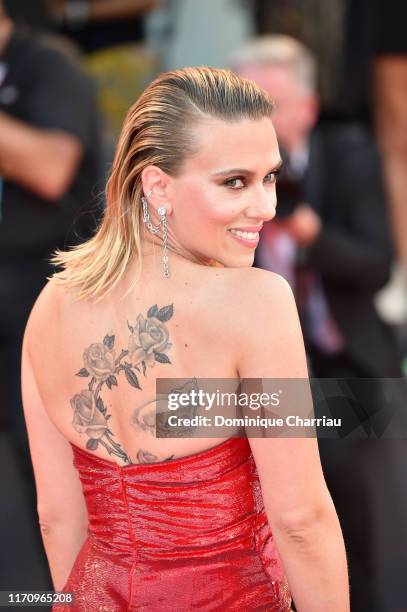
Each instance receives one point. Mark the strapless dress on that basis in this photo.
(176, 536)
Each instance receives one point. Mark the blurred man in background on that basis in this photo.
(49, 150)
(331, 240)
(49, 168)
(331, 205)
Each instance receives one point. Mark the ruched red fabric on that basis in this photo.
(176, 536)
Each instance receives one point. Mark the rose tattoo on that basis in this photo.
(147, 344)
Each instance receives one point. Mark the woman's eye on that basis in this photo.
(271, 177)
(235, 183)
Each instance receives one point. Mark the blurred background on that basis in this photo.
(337, 71)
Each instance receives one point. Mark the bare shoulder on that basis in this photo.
(269, 342)
(256, 287)
(45, 315)
(255, 283)
(264, 283)
(259, 294)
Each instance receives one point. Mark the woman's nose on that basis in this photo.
(264, 204)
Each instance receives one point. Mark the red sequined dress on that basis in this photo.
(176, 536)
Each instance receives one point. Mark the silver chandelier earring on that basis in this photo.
(154, 229)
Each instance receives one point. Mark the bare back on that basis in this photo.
(97, 367)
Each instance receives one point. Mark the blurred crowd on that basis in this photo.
(337, 72)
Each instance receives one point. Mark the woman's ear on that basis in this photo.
(155, 182)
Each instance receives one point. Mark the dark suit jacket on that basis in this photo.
(353, 253)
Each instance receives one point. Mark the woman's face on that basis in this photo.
(226, 191)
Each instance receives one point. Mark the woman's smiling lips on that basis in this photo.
(248, 236)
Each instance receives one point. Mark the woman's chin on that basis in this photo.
(239, 262)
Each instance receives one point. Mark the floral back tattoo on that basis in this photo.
(147, 344)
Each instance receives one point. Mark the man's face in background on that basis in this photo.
(296, 109)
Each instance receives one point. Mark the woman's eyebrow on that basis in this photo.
(245, 171)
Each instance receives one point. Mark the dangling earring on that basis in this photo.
(146, 216)
(162, 211)
(154, 229)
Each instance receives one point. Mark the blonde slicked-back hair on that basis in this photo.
(158, 130)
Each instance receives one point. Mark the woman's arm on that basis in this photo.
(299, 508)
(60, 502)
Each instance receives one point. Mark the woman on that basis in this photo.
(165, 289)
